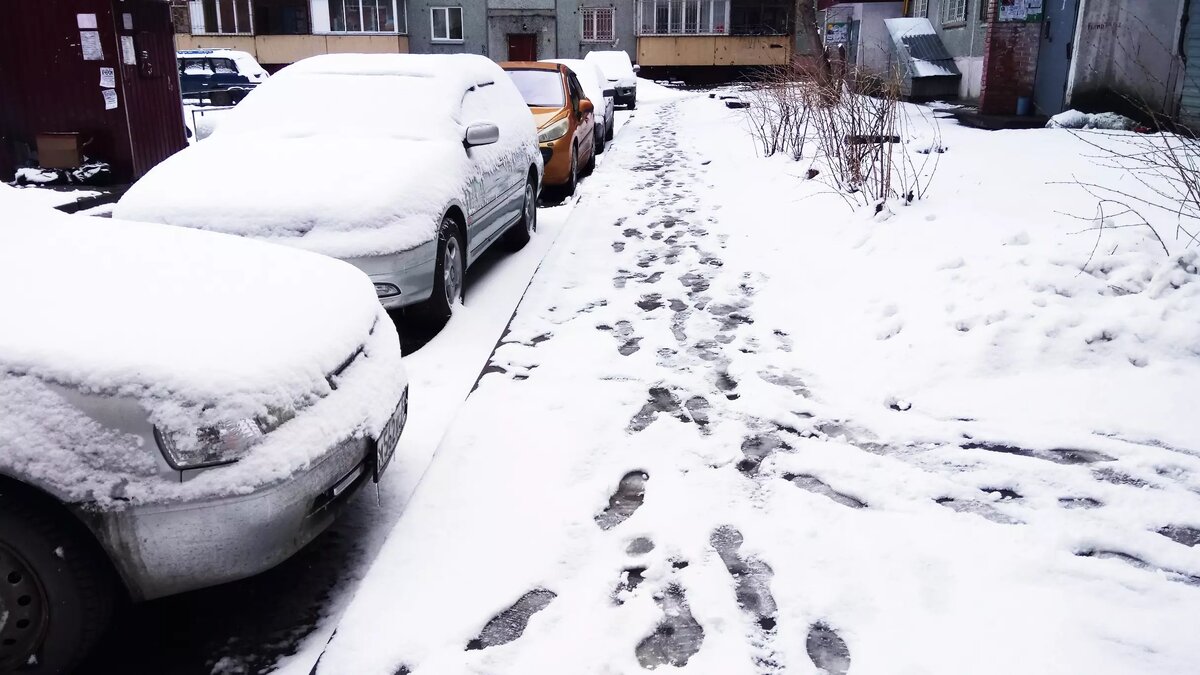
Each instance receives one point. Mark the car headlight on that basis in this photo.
(221, 443)
(554, 131)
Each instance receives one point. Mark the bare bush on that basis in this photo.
(777, 114)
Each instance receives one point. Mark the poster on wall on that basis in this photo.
(1021, 10)
(837, 33)
(89, 42)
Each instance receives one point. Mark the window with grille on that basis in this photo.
(983, 10)
(683, 17)
(920, 8)
(597, 24)
(368, 16)
(228, 17)
(954, 11)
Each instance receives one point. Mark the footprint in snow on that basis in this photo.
(677, 637)
(511, 623)
(827, 650)
(627, 498)
(817, 486)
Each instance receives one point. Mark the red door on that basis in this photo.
(522, 47)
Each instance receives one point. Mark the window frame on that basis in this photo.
(595, 13)
(922, 12)
(433, 26)
(949, 6)
(983, 11)
(196, 14)
(399, 9)
(650, 9)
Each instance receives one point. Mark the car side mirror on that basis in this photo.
(609, 93)
(481, 133)
(585, 106)
(637, 68)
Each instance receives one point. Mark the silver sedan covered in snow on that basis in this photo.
(407, 166)
(194, 412)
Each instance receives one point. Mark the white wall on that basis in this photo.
(874, 42)
(971, 83)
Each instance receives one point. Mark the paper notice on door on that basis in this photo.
(87, 21)
(89, 41)
(128, 56)
(127, 21)
(108, 77)
(110, 98)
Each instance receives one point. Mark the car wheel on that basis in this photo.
(447, 272)
(608, 134)
(591, 163)
(633, 103)
(573, 180)
(518, 235)
(56, 591)
(600, 135)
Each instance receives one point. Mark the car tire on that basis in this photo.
(591, 163)
(600, 134)
(608, 133)
(448, 273)
(573, 180)
(518, 235)
(57, 591)
(633, 103)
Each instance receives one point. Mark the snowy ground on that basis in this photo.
(289, 613)
(735, 427)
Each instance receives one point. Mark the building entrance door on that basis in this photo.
(522, 47)
(1054, 56)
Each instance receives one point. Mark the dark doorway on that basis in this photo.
(522, 47)
(1054, 56)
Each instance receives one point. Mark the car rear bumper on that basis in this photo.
(625, 95)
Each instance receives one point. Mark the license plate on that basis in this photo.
(385, 445)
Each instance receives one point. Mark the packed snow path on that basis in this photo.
(648, 478)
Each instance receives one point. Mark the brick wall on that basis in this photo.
(1009, 64)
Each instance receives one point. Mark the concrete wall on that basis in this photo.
(475, 29)
(874, 49)
(542, 23)
(961, 39)
(1128, 49)
(284, 49)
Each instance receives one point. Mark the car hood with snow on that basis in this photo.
(112, 305)
(347, 155)
(195, 327)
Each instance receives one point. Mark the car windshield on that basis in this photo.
(540, 88)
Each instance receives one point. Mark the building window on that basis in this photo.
(983, 10)
(760, 17)
(920, 8)
(447, 24)
(597, 24)
(221, 17)
(367, 16)
(954, 11)
(683, 17)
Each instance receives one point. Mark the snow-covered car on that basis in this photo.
(212, 73)
(621, 74)
(599, 92)
(181, 409)
(407, 166)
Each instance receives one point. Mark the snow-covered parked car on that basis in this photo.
(407, 166)
(181, 409)
(599, 92)
(621, 74)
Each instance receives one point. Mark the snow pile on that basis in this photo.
(649, 91)
(347, 155)
(196, 328)
(1074, 119)
(737, 428)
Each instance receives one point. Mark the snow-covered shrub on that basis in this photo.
(777, 114)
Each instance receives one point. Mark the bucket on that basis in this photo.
(1024, 106)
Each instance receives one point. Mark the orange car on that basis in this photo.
(564, 117)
